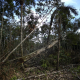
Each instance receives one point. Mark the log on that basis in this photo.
(35, 53)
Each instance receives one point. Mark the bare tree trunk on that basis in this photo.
(23, 18)
(2, 25)
(21, 33)
(59, 36)
(58, 52)
(1, 34)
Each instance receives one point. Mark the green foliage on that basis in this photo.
(76, 69)
(49, 62)
(14, 78)
(65, 57)
(9, 1)
(11, 31)
(53, 59)
(62, 16)
(44, 63)
(23, 78)
(72, 38)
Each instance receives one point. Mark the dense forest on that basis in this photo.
(39, 40)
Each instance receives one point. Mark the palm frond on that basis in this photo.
(72, 10)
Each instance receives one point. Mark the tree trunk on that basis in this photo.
(58, 52)
(1, 34)
(59, 36)
(10, 37)
(21, 32)
(2, 25)
(49, 35)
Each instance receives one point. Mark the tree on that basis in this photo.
(21, 3)
(8, 12)
(56, 4)
(61, 16)
(2, 27)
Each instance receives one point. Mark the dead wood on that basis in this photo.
(35, 53)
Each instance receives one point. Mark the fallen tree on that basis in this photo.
(35, 53)
(3, 60)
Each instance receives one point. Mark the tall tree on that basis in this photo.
(2, 24)
(21, 3)
(56, 4)
(2, 28)
(61, 16)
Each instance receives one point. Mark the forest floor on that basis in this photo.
(39, 68)
(70, 72)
